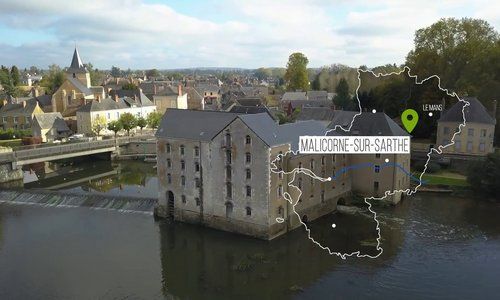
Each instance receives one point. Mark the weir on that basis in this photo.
(63, 199)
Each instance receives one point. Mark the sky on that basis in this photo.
(164, 34)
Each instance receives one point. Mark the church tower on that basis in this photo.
(78, 71)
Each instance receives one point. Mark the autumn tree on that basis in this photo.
(98, 124)
(296, 76)
(154, 119)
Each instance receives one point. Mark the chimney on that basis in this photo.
(154, 89)
(24, 103)
(179, 89)
(116, 97)
(98, 99)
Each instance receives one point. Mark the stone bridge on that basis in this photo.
(11, 161)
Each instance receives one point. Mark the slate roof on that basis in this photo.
(239, 109)
(474, 113)
(76, 64)
(193, 124)
(110, 104)
(316, 113)
(317, 95)
(143, 99)
(50, 120)
(76, 83)
(366, 124)
(249, 101)
(205, 125)
(18, 109)
(294, 96)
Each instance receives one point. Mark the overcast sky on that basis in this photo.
(142, 34)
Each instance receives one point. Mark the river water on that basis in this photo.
(435, 246)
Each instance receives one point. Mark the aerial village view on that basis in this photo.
(249, 149)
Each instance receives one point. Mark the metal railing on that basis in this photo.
(62, 149)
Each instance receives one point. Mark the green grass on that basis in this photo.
(445, 180)
(10, 143)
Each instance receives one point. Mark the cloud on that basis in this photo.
(136, 34)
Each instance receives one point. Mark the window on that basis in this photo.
(109, 116)
(322, 196)
(228, 157)
(229, 190)
(333, 158)
(183, 180)
(169, 163)
(248, 140)
(169, 178)
(117, 114)
(248, 157)
(323, 160)
(375, 185)
(483, 132)
(249, 211)
(312, 164)
(181, 149)
(198, 202)
(300, 166)
(458, 145)
(197, 183)
(228, 172)
(197, 167)
(183, 165)
(446, 130)
(183, 197)
(481, 147)
(249, 173)
(249, 191)
(280, 211)
(300, 183)
(377, 155)
(4, 120)
(169, 148)
(229, 209)
(228, 139)
(469, 146)
(470, 132)
(280, 190)
(196, 151)
(377, 169)
(16, 120)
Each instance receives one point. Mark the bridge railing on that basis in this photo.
(62, 149)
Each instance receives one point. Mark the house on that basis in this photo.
(50, 127)
(76, 90)
(19, 115)
(322, 114)
(386, 172)
(171, 97)
(111, 109)
(296, 100)
(476, 138)
(211, 96)
(214, 169)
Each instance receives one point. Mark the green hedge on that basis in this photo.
(10, 134)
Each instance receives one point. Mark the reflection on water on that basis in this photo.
(434, 247)
(121, 178)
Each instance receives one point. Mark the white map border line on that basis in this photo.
(310, 173)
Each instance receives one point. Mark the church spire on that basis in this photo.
(76, 62)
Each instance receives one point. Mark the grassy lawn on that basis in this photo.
(451, 179)
(10, 143)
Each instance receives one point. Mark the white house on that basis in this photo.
(111, 109)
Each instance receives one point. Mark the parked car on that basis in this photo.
(76, 136)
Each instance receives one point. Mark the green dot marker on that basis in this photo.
(410, 119)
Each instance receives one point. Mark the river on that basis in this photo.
(435, 246)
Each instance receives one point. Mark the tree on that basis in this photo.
(129, 86)
(152, 73)
(296, 77)
(342, 99)
(115, 72)
(128, 121)
(141, 123)
(262, 73)
(98, 124)
(54, 79)
(484, 176)
(7, 83)
(96, 76)
(15, 76)
(154, 119)
(115, 126)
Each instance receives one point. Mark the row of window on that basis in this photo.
(16, 120)
(458, 145)
(470, 131)
(229, 190)
(229, 210)
(183, 165)
(229, 157)
(248, 173)
(197, 182)
(182, 150)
